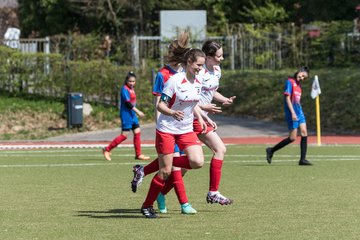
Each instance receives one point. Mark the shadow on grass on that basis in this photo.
(112, 213)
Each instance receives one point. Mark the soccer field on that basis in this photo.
(76, 194)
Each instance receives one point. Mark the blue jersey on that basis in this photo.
(161, 77)
(293, 89)
(127, 115)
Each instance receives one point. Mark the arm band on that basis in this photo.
(129, 105)
(165, 98)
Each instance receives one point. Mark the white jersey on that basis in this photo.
(210, 84)
(184, 97)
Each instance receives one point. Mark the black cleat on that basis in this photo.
(304, 162)
(269, 155)
(149, 212)
(218, 198)
(138, 171)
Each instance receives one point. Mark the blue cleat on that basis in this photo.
(161, 203)
(186, 208)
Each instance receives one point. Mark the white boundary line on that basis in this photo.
(101, 145)
(63, 145)
(262, 162)
(26, 154)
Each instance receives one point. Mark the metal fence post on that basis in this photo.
(232, 54)
(135, 51)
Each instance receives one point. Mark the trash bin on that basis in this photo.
(74, 110)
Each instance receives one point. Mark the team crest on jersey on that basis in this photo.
(198, 89)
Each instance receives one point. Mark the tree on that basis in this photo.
(269, 13)
(47, 17)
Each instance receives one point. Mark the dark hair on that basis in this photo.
(193, 54)
(210, 47)
(302, 69)
(129, 75)
(178, 48)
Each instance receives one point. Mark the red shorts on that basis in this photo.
(197, 127)
(165, 142)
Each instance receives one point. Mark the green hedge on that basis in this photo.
(259, 92)
(259, 95)
(51, 75)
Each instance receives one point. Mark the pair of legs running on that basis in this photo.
(193, 159)
(122, 137)
(292, 136)
(214, 142)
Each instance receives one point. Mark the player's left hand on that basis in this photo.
(229, 101)
(212, 123)
(211, 108)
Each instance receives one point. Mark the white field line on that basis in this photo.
(41, 154)
(315, 159)
(97, 146)
(63, 145)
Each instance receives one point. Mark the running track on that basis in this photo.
(325, 140)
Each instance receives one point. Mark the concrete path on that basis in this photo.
(232, 130)
(228, 127)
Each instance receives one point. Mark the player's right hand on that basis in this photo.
(178, 115)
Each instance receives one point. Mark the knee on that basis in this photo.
(197, 164)
(303, 134)
(125, 134)
(220, 150)
(164, 173)
(292, 138)
(183, 171)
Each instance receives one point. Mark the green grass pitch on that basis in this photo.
(76, 194)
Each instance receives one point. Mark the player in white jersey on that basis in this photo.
(184, 97)
(178, 105)
(175, 62)
(211, 75)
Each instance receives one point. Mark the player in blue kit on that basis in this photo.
(129, 120)
(294, 116)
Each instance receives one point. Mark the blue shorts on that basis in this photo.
(177, 150)
(295, 124)
(128, 123)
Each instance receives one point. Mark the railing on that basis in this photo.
(28, 45)
(240, 52)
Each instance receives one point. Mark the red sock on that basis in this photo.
(152, 167)
(169, 184)
(156, 185)
(215, 174)
(119, 139)
(179, 187)
(182, 162)
(137, 144)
